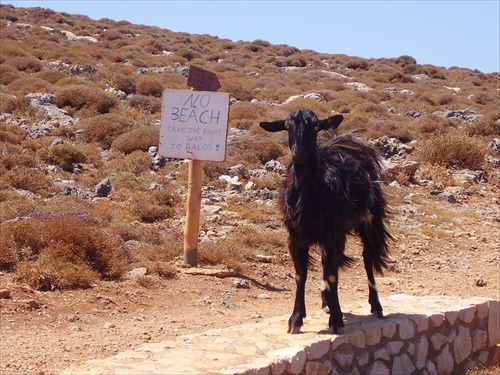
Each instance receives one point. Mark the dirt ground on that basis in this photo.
(441, 248)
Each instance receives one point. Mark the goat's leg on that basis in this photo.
(329, 293)
(300, 257)
(376, 307)
(373, 299)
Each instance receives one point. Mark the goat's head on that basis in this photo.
(303, 128)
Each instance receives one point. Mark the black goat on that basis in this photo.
(332, 188)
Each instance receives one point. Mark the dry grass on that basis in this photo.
(452, 149)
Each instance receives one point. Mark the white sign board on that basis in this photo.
(194, 125)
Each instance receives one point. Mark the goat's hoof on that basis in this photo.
(334, 330)
(378, 314)
(293, 330)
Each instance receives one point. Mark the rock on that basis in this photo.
(30, 303)
(378, 368)
(356, 86)
(392, 146)
(406, 168)
(275, 166)
(57, 141)
(103, 188)
(467, 115)
(402, 365)
(392, 90)
(494, 145)
(137, 272)
(444, 361)
(239, 171)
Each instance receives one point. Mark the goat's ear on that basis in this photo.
(274, 126)
(330, 122)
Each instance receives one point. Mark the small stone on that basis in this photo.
(297, 363)
(318, 349)
(467, 315)
(357, 339)
(381, 354)
(103, 188)
(378, 368)
(479, 339)
(429, 369)
(402, 365)
(406, 330)
(438, 340)
(422, 351)
(373, 335)
(344, 356)
(393, 347)
(494, 322)
(444, 361)
(108, 325)
(437, 319)
(451, 316)
(389, 329)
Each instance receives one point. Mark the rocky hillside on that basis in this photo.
(79, 122)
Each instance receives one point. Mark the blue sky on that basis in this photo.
(441, 33)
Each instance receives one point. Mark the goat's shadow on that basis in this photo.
(266, 286)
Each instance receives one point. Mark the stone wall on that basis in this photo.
(420, 335)
(446, 342)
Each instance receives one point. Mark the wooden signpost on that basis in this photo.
(194, 126)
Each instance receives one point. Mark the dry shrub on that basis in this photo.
(63, 155)
(136, 163)
(78, 97)
(483, 128)
(432, 124)
(125, 83)
(12, 104)
(255, 151)
(26, 85)
(149, 210)
(138, 139)
(439, 174)
(239, 251)
(452, 149)
(149, 86)
(238, 88)
(25, 64)
(145, 103)
(104, 129)
(52, 76)
(72, 251)
(11, 133)
(31, 179)
(8, 74)
(229, 254)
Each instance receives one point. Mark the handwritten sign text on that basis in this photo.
(194, 125)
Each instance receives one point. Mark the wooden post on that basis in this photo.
(192, 214)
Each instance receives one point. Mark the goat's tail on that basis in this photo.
(375, 235)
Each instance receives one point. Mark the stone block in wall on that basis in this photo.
(462, 345)
(494, 322)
